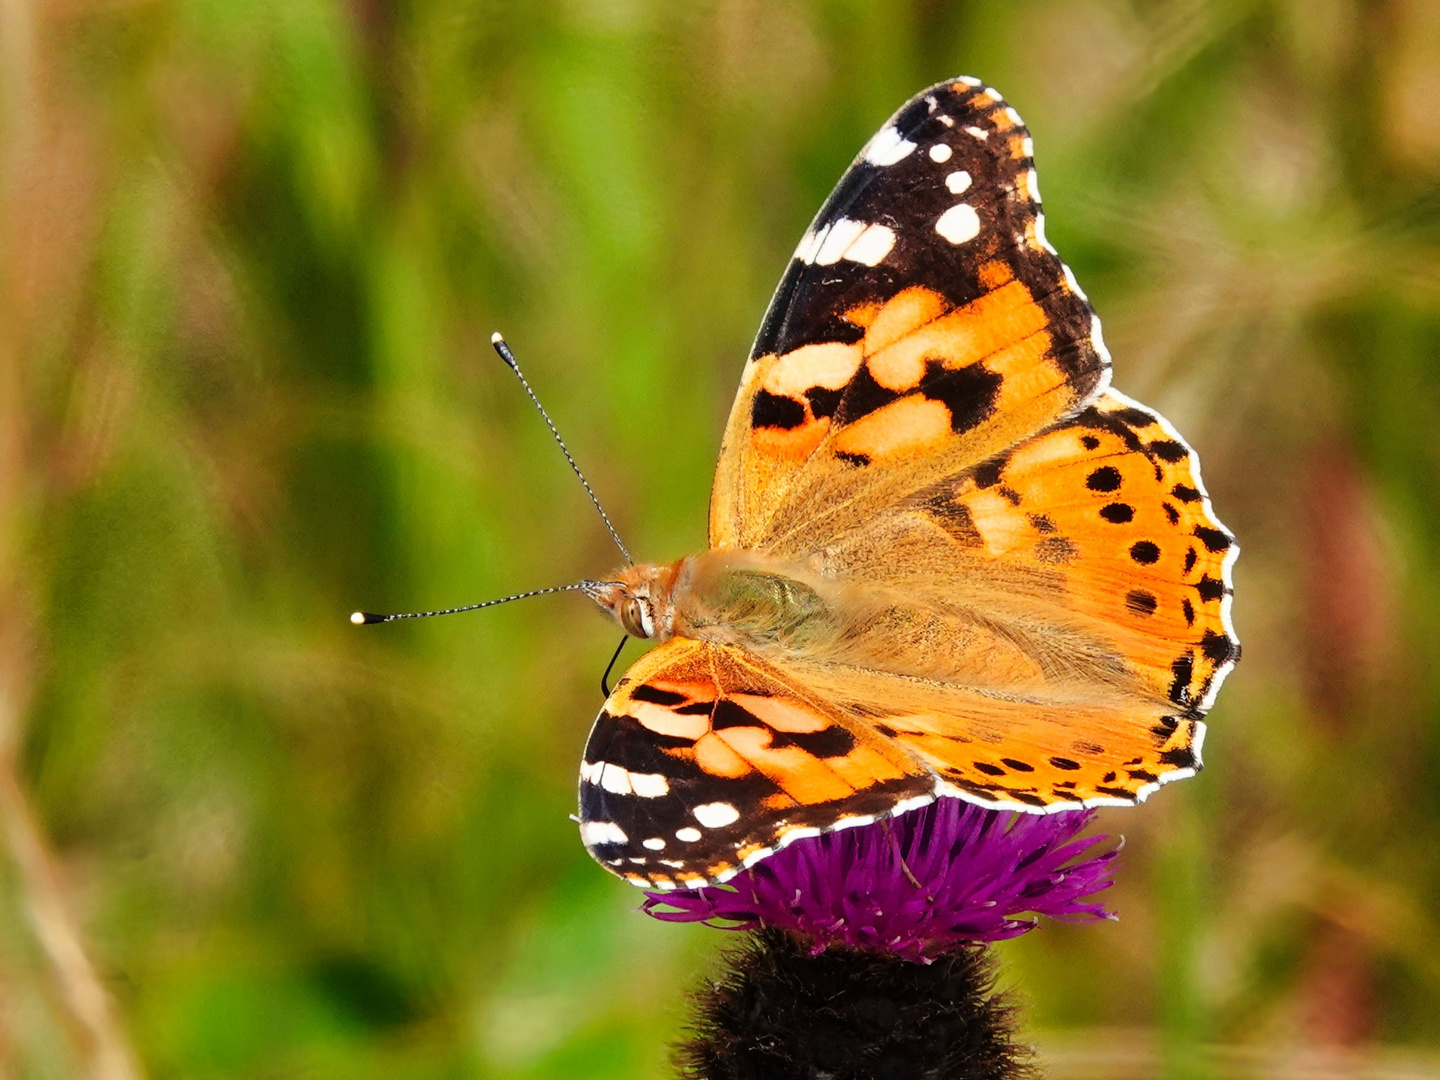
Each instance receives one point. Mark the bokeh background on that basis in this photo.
(251, 253)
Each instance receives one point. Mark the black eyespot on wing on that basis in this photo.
(828, 742)
(656, 696)
(848, 458)
(1145, 552)
(987, 769)
(1169, 450)
(1181, 757)
(1064, 763)
(969, 392)
(1209, 588)
(773, 411)
(987, 475)
(1217, 647)
(1090, 442)
(729, 714)
(1105, 478)
(1017, 765)
(1213, 539)
(1141, 602)
(1133, 417)
(1185, 493)
(1117, 513)
(823, 401)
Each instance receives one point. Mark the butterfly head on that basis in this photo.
(640, 598)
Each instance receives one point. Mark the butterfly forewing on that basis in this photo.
(923, 321)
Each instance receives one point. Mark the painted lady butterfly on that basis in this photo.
(945, 558)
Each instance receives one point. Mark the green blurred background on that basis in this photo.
(251, 254)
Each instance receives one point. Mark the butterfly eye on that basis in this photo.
(635, 618)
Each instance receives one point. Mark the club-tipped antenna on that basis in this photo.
(367, 618)
(509, 357)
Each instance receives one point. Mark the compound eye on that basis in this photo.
(635, 619)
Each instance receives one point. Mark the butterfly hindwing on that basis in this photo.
(705, 759)
(924, 324)
(1112, 505)
(1060, 621)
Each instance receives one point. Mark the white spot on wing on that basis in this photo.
(654, 843)
(1027, 147)
(810, 244)
(940, 152)
(615, 779)
(845, 238)
(872, 245)
(968, 80)
(959, 224)
(689, 834)
(601, 832)
(1032, 185)
(948, 121)
(839, 236)
(958, 182)
(979, 133)
(887, 147)
(716, 815)
(649, 785)
(1014, 116)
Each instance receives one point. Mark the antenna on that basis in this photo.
(366, 618)
(509, 357)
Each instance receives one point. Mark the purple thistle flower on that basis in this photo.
(915, 886)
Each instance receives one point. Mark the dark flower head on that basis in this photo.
(775, 1009)
(917, 885)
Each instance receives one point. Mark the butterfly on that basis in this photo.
(946, 559)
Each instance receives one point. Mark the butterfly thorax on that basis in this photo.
(732, 597)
